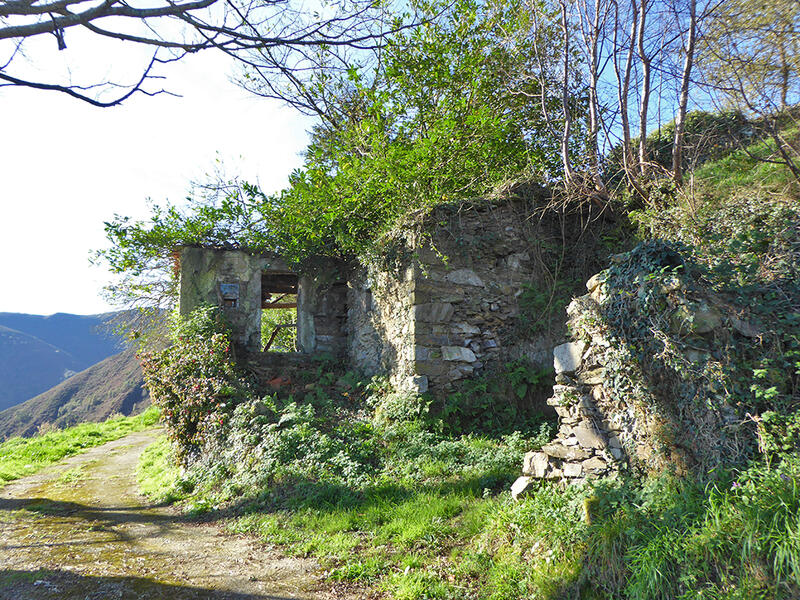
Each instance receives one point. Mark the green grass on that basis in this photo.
(410, 520)
(157, 472)
(745, 173)
(71, 476)
(386, 494)
(416, 533)
(23, 456)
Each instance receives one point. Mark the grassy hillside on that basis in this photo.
(112, 386)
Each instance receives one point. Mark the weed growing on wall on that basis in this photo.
(537, 306)
(693, 351)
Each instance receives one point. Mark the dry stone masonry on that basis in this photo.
(641, 385)
(450, 308)
(446, 302)
(590, 436)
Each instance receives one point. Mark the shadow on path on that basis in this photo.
(66, 585)
(92, 536)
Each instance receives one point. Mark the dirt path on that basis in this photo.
(79, 530)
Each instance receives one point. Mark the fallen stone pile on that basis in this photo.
(588, 444)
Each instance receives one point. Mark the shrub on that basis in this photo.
(499, 402)
(194, 381)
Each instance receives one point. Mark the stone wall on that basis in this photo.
(644, 384)
(471, 276)
(445, 303)
(449, 305)
(277, 371)
(381, 325)
(230, 279)
(322, 313)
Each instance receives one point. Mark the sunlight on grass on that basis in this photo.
(745, 172)
(157, 472)
(24, 456)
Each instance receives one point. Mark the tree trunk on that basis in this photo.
(680, 119)
(623, 86)
(569, 175)
(784, 77)
(645, 98)
(592, 42)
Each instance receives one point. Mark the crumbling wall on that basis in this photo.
(465, 289)
(322, 313)
(381, 324)
(468, 277)
(277, 371)
(453, 293)
(645, 384)
(230, 279)
(487, 280)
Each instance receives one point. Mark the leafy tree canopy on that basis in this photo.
(448, 110)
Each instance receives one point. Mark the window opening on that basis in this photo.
(279, 312)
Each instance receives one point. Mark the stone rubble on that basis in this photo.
(601, 435)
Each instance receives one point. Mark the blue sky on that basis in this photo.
(66, 167)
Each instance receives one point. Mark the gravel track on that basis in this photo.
(80, 530)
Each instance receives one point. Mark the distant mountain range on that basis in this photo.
(78, 356)
(39, 352)
(112, 386)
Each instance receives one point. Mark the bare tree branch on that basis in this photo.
(276, 32)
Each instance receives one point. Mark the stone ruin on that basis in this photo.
(446, 306)
(617, 415)
(592, 426)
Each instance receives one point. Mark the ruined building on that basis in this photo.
(462, 290)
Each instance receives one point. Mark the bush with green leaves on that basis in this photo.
(743, 360)
(384, 496)
(194, 381)
(441, 113)
(779, 433)
(708, 136)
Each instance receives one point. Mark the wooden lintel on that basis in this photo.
(280, 305)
